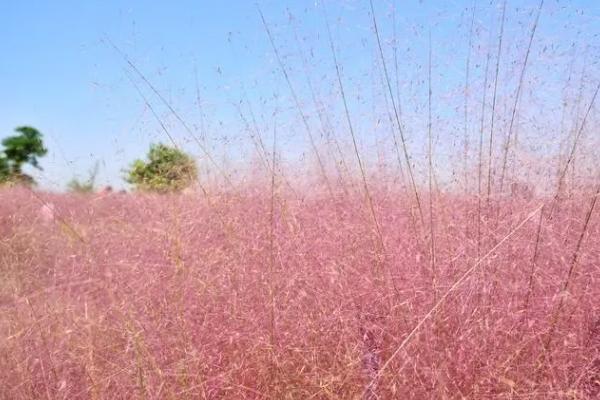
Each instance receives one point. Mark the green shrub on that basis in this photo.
(166, 169)
(4, 169)
(77, 186)
(88, 186)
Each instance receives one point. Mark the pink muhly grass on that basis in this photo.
(161, 300)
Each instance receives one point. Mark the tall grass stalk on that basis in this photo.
(405, 187)
(533, 267)
(272, 245)
(367, 192)
(573, 150)
(563, 292)
(518, 95)
(153, 111)
(466, 139)
(431, 174)
(397, 117)
(50, 392)
(494, 100)
(202, 112)
(325, 125)
(296, 100)
(480, 155)
(167, 104)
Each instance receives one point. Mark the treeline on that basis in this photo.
(165, 169)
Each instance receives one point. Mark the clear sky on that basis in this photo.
(59, 73)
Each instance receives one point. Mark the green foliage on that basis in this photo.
(77, 186)
(167, 169)
(21, 149)
(4, 169)
(88, 186)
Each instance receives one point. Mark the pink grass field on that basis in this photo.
(232, 296)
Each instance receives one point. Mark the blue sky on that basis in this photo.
(59, 73)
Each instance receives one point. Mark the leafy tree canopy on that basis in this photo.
(166, 169)
(24, 148)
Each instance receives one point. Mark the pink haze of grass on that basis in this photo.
(142, 296)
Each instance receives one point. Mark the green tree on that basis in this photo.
(21, 149)
(166, 169)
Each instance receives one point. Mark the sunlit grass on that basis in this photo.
(162, 301)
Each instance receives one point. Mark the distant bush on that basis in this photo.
(18, 150)
(77, 186)
(88, 186)
(166, 169)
